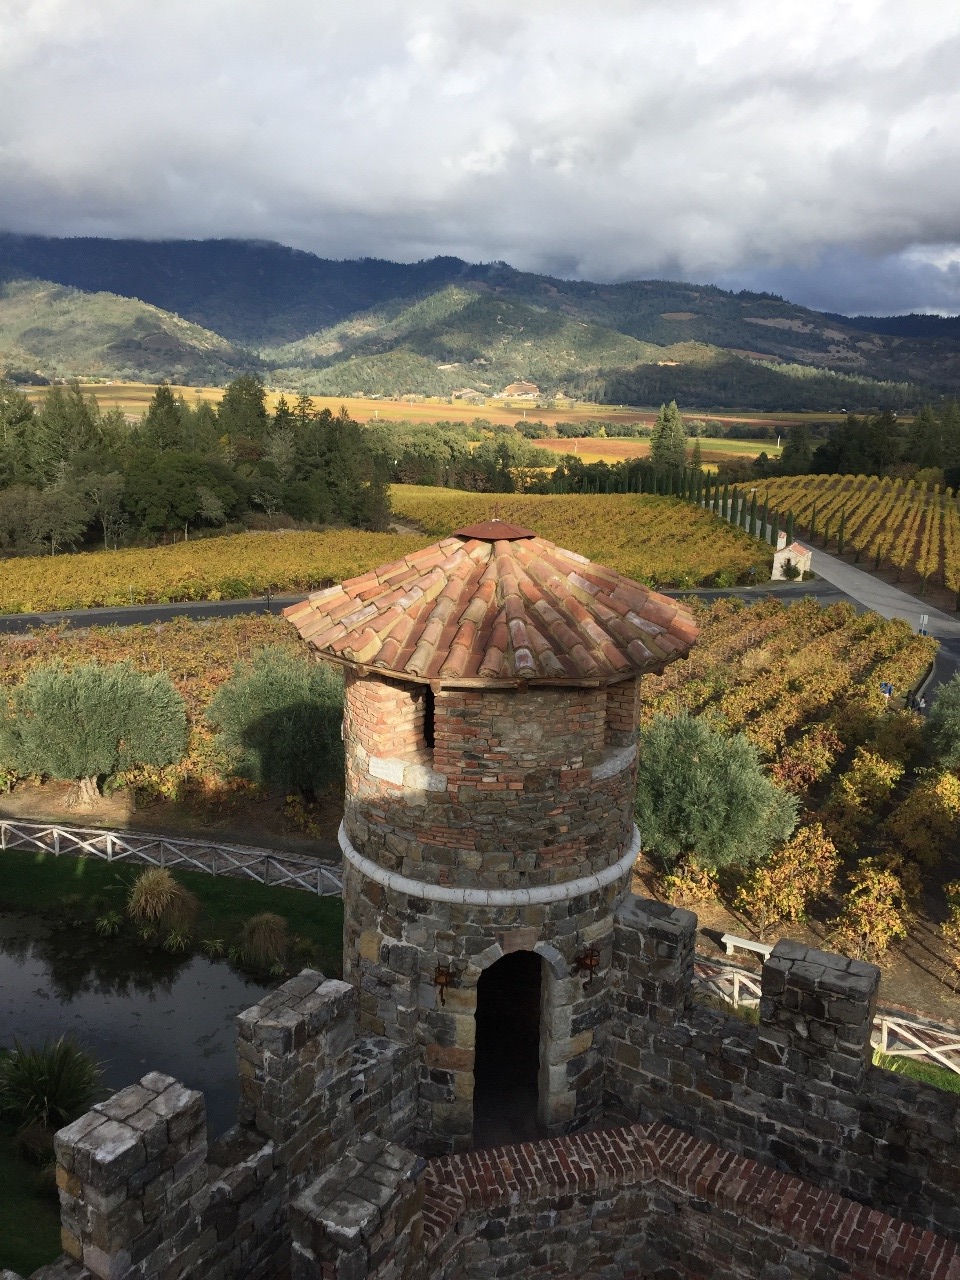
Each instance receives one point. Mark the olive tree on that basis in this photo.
(941, 730)
(279, 721)
(704, 799)
(86, 722)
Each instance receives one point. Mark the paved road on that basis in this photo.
(130, 615)
(836, 581)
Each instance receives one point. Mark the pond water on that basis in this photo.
(136, 1010)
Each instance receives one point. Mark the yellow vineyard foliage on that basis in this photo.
(660, 541)
(889, 523)
(802, 682)
(228, 568)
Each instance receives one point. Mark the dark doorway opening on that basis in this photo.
(507, 1061)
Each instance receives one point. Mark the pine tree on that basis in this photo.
(162, 425)
(668, 442)
(696, 457)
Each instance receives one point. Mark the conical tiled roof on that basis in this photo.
(495, 604)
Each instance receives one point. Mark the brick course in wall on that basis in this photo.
(638, 1202)
(521, 787)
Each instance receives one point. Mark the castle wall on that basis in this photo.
(638, 1203)
(144, 1197)
(393, 945)
(797, 1092)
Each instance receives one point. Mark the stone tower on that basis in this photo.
(488, 837)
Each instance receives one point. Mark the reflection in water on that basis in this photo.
(136, 1010)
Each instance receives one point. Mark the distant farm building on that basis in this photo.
(522, 391)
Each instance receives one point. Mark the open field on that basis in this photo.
(133, 398)
(592, 449)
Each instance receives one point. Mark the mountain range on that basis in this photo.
(201, 311)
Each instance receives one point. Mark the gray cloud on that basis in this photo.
(810, 149)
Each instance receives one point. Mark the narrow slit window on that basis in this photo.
(428, 717)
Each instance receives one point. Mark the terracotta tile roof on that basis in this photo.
(486, 610)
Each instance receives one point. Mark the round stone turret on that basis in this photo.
(490, 739)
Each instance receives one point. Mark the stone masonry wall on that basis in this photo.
(393, 945)
(143, 1196)
(522, 787)
(638, 1203)
(797, 1092)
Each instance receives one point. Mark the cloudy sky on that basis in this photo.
(808, 148)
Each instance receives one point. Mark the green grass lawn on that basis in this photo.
(39, 882)
(925, 1072)
(29, 1220)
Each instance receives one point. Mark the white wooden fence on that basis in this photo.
(266, 866)
(894, 1034)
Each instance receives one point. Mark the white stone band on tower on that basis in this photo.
(561, 892)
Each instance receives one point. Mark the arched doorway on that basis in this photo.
(507, 1056)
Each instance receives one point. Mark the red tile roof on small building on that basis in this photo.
(494, 604)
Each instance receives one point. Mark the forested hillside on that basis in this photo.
(196, 311)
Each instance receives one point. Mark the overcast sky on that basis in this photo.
(810, 148)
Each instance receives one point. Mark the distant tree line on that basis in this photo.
(71, 475)
(734, 382)
(880, 445)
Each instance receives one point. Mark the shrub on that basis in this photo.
(689, 886)
(48, 1086)
(941, 731)
(279, 721)
(702, 796)
(264, 942)
(876, 911)
(798, 872)
(90, 721)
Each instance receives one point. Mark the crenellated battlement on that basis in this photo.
(745, 1146)
(144, 1195)
(798, 1092)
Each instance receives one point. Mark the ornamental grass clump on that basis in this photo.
(264, 943)
(47, 1086)
(163, 907)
